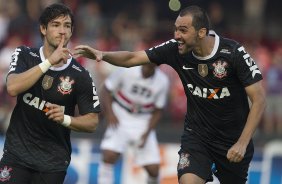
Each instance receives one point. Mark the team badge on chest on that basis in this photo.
(203, 69)
(65, 87)
(220, 69)
(47, 82)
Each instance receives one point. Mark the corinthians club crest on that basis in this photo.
(183, 161)
(220, 69)
(65, 87)
(5, 173)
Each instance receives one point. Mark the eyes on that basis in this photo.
(182, 30)
(66, 25)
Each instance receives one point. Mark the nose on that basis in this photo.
(63, 29)
(176, 35)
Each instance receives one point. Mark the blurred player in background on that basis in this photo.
(134, 99)
(218, 76)
(48, 84)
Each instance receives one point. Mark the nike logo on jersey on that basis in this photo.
(187, 68)
(250, 62)
(217, 93)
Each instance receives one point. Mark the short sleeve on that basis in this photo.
(18, 61)
(245, 67)
(87, 97)
(163, 53)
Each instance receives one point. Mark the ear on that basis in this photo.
(43, 30)
(202, 32)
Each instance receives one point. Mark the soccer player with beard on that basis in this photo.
(218, 77)
(48, 83)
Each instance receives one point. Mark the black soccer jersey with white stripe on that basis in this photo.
(32, 139)
(217, 104)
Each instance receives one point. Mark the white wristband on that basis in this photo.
(45, 65)
(67, 121)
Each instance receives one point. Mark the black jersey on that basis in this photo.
(32, 140)
(217, 104)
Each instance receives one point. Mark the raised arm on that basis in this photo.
(118, 58)
(20, 82)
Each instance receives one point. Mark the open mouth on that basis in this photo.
(180, 45)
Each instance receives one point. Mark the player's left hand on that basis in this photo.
(55, 112)
(236, 153)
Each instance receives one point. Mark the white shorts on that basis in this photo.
(118, 139)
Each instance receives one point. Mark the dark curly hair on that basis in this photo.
(53, 11)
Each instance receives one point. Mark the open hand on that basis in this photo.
(88, 52)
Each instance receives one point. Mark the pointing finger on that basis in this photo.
(61, 45)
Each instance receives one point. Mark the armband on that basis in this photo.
(67, 121)
(45, 65)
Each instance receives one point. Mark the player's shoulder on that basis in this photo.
(78, 68)
(27, 49)
(26, 52)
(228, 43)
(169, 44)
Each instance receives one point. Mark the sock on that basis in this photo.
(105, 173)
(153, 180)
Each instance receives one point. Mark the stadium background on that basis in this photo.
(139, 24)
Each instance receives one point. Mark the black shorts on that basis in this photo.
(11, 174)
(198, 157)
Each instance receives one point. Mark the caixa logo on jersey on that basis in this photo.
(250, 62)
(208, 93)
(36, 102)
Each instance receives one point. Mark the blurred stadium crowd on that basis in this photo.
(139, 24)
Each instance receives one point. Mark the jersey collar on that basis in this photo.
(215, 47)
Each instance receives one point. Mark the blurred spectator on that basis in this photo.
(126, 29)
(148, 20)
(273, 114)
(19, 23)
(177, 98)
(217, 19)
(5, 58)
(4, 22)
(90, 21)
(254, 11)
(6, 101)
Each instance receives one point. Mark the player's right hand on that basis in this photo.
(60, 54)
